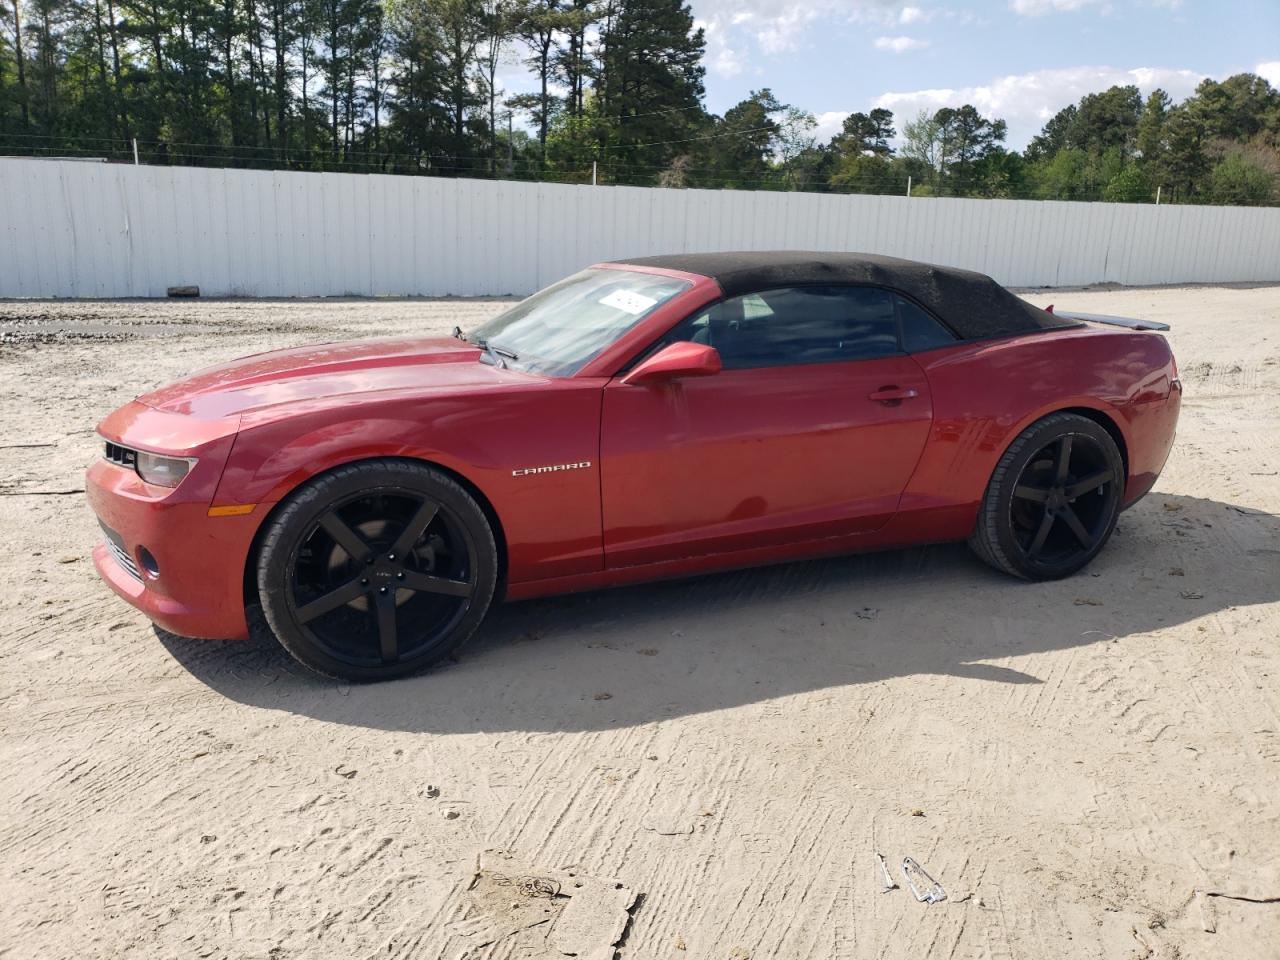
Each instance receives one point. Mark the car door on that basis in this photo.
(811, 429)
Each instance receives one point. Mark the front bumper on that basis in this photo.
(196, 588)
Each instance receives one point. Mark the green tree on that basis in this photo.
(413, 85)
(1186, 159)
(337, 36)
(739, 153)
(283, 28)
(48, 28)
(924, 141)
(1055, 135)
(1239, 181)
(1061, 176)
(418, 116)
(863, 133)
(794, 147)
(968, 138)
(811, 168)
(650, 85)
(1150, 133)
(863, 173)
(574, 64)
(1128, 186)
(1107, 119)
(1238, 108)
(6, 61)
(573, 141)
(538, 22)
(859, 156)
(498, 22)
(462, 28)
(950, 143)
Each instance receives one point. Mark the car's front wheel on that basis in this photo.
(1053, 499)
(376, 570)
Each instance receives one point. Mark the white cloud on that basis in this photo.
(900, 44)
(829, 124)
(779, 26)
(781, 32)
(723, 58)
(727, 62)
(1269, 71)
(1025, 101)
(911, 15)
(1037, 8)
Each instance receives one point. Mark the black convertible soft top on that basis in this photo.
(972, 304)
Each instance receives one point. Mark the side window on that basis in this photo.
(797, 325)
(919, 330)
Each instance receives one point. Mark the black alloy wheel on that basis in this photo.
(1053, 499)
(377, 570)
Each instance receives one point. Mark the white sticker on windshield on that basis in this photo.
(628, 301)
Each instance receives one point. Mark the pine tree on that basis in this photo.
(497, 23)
(1185, 159)
(1054, 137)
(461, 27)
(1150, 135)
(538, 22)
(21, 93)
(739, 154)
(573, 61)
(418, 119)
(650, 86)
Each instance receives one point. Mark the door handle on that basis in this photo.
(893, 394)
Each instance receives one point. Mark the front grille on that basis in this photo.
(119, 553)
(121, 455)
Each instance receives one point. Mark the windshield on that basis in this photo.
(558, 330)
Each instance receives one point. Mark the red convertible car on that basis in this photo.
(654, 418)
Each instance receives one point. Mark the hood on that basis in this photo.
(327, 372)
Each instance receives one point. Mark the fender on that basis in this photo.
(551, 520)
(985, 394)
(270, 478)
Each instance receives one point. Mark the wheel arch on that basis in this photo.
(1107, 423)
(991, 536)
(249, 576)
(1084, 407)
(1101, 417)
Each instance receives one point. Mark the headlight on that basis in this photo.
(162, 471)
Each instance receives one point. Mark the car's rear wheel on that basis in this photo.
(1053, 499)
(376, 570)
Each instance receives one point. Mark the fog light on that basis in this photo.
(148, 562)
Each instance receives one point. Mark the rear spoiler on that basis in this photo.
(1128, 322)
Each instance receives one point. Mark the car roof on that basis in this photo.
(972, 304)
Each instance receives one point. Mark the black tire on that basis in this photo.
(376, 570)
(1052, 501)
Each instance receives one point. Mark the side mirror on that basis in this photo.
(675, 362)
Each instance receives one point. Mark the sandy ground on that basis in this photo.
(721, 757)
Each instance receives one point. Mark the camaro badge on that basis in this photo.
(554, 468)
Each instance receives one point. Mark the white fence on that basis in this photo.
(74, 229)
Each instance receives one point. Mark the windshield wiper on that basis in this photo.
(500, 351)
(500, 355)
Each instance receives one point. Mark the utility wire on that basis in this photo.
(127, 144)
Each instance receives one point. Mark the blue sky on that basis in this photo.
(1021, 60)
